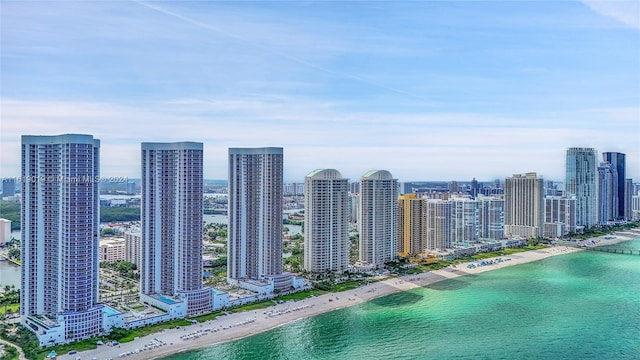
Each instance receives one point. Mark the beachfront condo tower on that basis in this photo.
(582, 183)
(326, 221)
(255, 215)
(524, 206)
(607, 193)
(491, 218)
(438, 221)
(377, 223)
(171, 228)
(465, 219)
(412, 238)
(559, 216)
(618, 162)
(60, 219)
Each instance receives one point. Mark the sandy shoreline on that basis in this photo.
(238, 325)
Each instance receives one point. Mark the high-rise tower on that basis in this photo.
(491, 218)
(524, 206)
(326, 221)
(437, 220)
(255, 213)
(607, 193)
(378, 217)
(60, 219)
(619, 164)
(412, 236)
(171, 224)
(581, 183)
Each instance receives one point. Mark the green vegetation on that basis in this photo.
(9, 300)
(107, 232)
(124, 268)
(209, 316)
(116, 214)
(215, 232)
(24, 338)
(14, 253)
(10, 353)
(302, 295)
(9, 309)
(254, 306)
(288, 221)
(11, 211)
(596, 231)
(151, 329)
(88, 344)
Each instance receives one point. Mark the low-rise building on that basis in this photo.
(112, 249)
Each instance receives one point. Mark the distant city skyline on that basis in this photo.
(426, 90)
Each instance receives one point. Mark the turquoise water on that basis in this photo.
(583, 305)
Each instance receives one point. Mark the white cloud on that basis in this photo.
(624, 11)
(322, 134)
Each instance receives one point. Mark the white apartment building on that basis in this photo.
(5, 231)
(326, 221)
(255, 215)
(437, 220)
(377, 223)
(581, 183)
(559, 216)
(465, 220)
(524, 206)
(133, 247)
(171, 226)
(491, 218)
(60, 219)
(112, 249)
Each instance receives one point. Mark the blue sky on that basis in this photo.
(437, 90)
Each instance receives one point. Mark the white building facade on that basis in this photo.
(581, 183)
(437, 220)
(465, 220)
(377, 224)
(60, 219)
(5, 231)
(255, 214)
(524, 206)
(326, 222)
(171, 225)
(491, 218)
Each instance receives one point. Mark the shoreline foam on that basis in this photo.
(243, 324)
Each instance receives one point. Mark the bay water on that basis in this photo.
(583, 305)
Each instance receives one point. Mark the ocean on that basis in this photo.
(583, 305)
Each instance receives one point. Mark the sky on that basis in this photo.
(429, 90)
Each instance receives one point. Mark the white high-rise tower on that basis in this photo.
(524, 206)
(377, 223)
(582, 183)
(255, 213)
(60, 218)
(171, 224)
(326, 221)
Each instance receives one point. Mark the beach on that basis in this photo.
(238, 325)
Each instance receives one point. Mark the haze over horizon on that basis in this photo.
(427, 90)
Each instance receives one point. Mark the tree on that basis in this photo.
(14, 253)
(107, 232)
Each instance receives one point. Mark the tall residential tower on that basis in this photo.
(326, 221)
(524, 206)
(378, 217)
(255, 213)
(412, 235)
(171, 224)
(617, 160)
(60, 219)
(582, 183)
